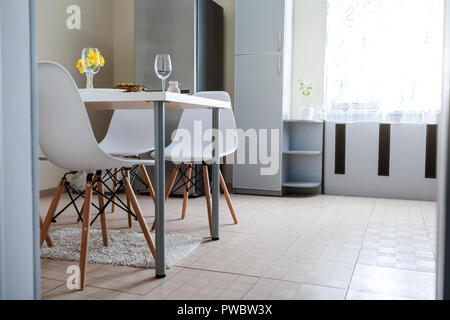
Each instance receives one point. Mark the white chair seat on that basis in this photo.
(127, 162)
(122, 150)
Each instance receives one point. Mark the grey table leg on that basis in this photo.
(215, 177)
(160, 174)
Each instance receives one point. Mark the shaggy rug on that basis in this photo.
(124, 248)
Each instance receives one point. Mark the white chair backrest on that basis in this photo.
(65, 132)
(131, 132)
(227, 121)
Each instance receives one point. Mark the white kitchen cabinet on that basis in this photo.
(259, 26)
(258, 97)
(262, 87)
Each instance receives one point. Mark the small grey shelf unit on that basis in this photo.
(302, 155)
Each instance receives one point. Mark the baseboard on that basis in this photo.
(255, 192)
(47, 192)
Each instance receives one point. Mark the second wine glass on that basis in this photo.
(163, 68)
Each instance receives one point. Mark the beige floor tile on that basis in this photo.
(193, 284)
(324, 250)
(127, 296)
(311, 271)
(57, 270)
(361, 295)
(393, 282)
(130, 280)
(89, 293)
(50, 284)
(243, 253)
(270, 289)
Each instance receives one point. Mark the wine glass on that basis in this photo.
(91, 62)
(163, 68)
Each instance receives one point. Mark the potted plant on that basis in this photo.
(306, 113)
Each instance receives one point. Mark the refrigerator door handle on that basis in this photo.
(280, 38)
(279, 66)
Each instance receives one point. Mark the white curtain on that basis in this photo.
(384, 60)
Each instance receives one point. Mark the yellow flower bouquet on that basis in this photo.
(90, 63)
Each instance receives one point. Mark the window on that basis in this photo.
(384, 59)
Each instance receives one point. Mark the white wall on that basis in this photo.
(310, 21)
(123, 41)
(49, 175)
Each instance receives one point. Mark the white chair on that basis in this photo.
(196, 151)
(131, 134)
(67, 140)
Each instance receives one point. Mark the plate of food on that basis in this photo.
(130, 87)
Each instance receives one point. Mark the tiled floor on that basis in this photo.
(316, 247)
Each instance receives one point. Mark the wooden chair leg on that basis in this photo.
(94, 184)
(149, 182)
(51, 211)
(130, 218)
(116, 177)
(227, 197)
(207, 196)
(85, 232)
(48, 240)
(138, 212)
(186, 192)
(170, 184)
(101, 204)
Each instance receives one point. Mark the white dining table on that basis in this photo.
(107, 99)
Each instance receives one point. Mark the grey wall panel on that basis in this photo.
(407, 163)
(164, 27)
(35, 150)
(18, 233)
(210, 46)
(2, 179)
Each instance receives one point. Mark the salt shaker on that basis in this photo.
(173, 87)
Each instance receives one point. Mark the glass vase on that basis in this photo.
(89, 80)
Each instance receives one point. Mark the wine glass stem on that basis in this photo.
(164, 85)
